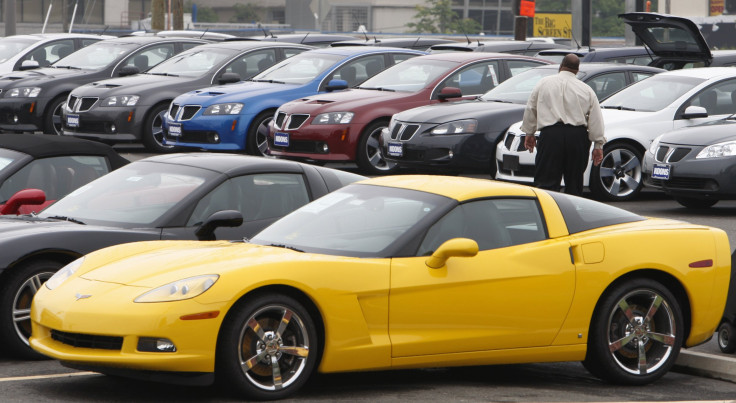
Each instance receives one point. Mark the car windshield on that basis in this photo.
(357, 220)
(7, 157)
(652, 94)
(10, 46)
(410, 76)
(193, 63)
(517, 89)
(96, 56)
(299, 69)
(135, 195)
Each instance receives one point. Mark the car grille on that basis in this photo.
(88, 340)
(298, 146)
(173, 110)
(668, 154)
(194, 136)
(508, 142)
(189, 111)
(686, 183)
(71, 101)
(88, 127)
(292, 122)
(403, 131)
(81, 104)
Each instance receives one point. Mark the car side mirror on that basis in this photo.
(128, 71)
(456, 247)
(229, 78)
(449, 92)
(693, 112)
(336, 85)
(25, 197)
(29, 65)
(224, 218)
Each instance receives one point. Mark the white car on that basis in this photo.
(633, 118)
(21, 52)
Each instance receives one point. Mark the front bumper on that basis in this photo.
(698, 178)
(514, 162)
(223, 133)
(124, 124)
(22, 114)
(317, 142)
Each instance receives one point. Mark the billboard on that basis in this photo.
(556, 25)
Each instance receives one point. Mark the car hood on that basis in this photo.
(130, 85)
(30, 77)
(233, 92)
(445, 112)
(685, 39)
(346, 100)
(714, 132)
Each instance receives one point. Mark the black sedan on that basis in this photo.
(31, 100)
(172, 196)
(50, 164)
(695, 165)
(127, 109)
(463, 135)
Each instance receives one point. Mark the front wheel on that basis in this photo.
(153, 133)
(16, 295)
(636, 333)
(52, 117)
(268, 348)
(618, 177)
(727, 338)
(370, 156)
(257, 138)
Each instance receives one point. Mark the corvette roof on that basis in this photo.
(454, 187)
(42, 146)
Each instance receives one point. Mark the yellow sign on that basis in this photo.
(716, 7)
(553, 25)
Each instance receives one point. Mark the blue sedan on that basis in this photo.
(236, 116)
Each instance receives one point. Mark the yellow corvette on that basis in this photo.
(395, 272)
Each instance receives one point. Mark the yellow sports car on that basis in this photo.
(395, 272)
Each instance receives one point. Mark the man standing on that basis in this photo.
(566, 112)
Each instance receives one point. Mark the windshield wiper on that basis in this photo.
(285, 247)
(497, 100)
(163, 74)
(377, 89)
(269, 81)
(621, 108)
(63, 218)
(69, 67)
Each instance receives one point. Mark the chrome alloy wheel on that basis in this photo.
(374, 153)
(620, 172)
(22, 304)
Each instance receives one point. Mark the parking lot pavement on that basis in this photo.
(707, 364)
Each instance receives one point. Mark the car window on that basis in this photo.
(493, 223)
(400, 57)
(718, 99)
(299, 69)
(250, 64)
(652, 94)
(581, 214)
(50, 52)
(638, 75)
(358, 70)
(520, 66)
(87, 42)
(257, 197)
(606, 84)
(410, 76)
(475, 79)
(289, 52)
(56, 176)
(188, 45)
(151, 56)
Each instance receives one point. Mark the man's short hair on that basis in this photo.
(571, 62)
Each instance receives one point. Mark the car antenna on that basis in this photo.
(104, 30)
(572, 35)
(416, 42)
(376, 40)
(366, 36)
(466, 38)
(204, 33)
(305, 38)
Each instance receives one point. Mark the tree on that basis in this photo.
(246, 13)
(439, 17)
(157, 15)
(204, 14)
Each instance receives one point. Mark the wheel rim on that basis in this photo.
(273, 347)
(620, 172)
(262, 136)
(723, 338)
(56, 118)
(22, 304)
(641, 332)
(374, 153)
(157, 130)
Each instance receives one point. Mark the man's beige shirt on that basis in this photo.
(563, 98)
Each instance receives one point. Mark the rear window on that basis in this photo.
(582, 214)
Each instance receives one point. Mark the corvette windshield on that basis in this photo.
(517, 89)
(10, 46)
(193, 63)
(95, 56)
(135, 195)
(357, 220)
(299, 69)
(652, 94)
(411, 75)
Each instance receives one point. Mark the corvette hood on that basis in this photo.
(130, 85)
(445, 112)
(233, 93)
(702, 135)
(345, 100)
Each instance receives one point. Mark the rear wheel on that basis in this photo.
(727, 338)
(370, 156)
(257, 138)
(152, 131)
(52, 115)
(692, 202)
(618, 177)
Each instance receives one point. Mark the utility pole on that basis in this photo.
(177, 7)
(581, 21)
(157, 15)
(9, 10)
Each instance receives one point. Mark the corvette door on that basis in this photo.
(514, 293)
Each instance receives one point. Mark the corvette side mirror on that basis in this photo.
(23, 197)
(456, 247)
(224, 218)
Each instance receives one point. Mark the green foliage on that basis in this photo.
(438, 17)
(204, 14)
(246, 13)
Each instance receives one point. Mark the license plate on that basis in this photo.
(175, 129)
(72, 120)
(281, 139)
(661, 171)
(511, 162)
(395, 149)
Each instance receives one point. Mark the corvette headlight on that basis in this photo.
(655, 144)
(224, 109)
(24, 92)
(457, 127)
(726, 149)
(178, 290)
(120, 100)
(63, 274)
(333, 118)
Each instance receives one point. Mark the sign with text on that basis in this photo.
(553, 25)
(717, 7)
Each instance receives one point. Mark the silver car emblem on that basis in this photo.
(82, 296)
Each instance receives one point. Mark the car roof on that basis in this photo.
(142, 40)
(462, 57)
(230, 164)
(395, 42)
(358, 50)
(242, 45)
(596, 67)
(305, 39)
(704, 72)
(42, 146)
(454, 187)
(57, 35)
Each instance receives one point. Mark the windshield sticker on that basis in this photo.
(325, 202)
(5, 162)
(494, 77)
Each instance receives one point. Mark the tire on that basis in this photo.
(619, 176)
(617, 343)
(727, 338)
(369, 155)
(52, 116)
(16, 295)
(152, 134)
(692, 202)
(252, 333)
(256, 142)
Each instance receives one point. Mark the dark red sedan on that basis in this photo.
(346, 125)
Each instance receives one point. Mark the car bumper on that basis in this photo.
(210, 132)
(514, 162)
(458, 151)
(700, 178)
(21, 114)
(109, 123)
(317, 142)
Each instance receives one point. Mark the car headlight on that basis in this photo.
(179, 290)
(120, 100)
(224, 109)
(24, 92)
(655, 144)
(457, 127)
(725, 149)
(333, 118)
(63, 274)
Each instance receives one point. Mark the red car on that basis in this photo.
(346, 125)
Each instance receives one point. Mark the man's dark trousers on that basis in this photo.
(562, 152)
